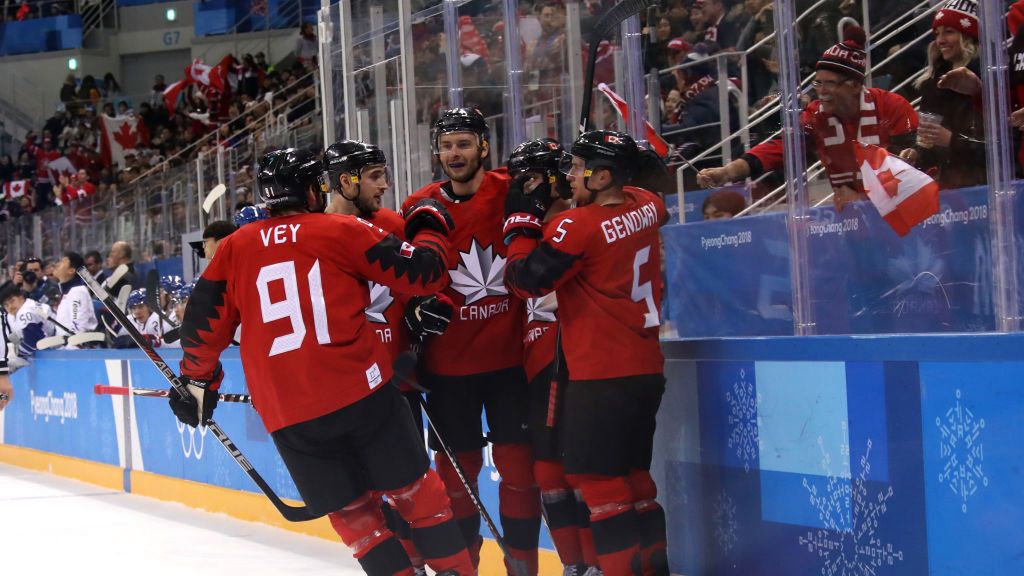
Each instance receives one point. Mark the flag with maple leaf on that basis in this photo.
(903, 195)
(15, 189)
(62, 166)
(121, 136)
(658, 144)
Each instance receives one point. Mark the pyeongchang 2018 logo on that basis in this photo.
(64, 407)
(190, 444)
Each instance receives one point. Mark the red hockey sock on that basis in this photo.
(559, 506)
(518, 502)
(651, 518)
(466, 515)
(586, 535)
(613, 521)
(361, 527)
(425, 506)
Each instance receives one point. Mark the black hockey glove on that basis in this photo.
(202, 400)
(524, 211)
(428, 213)
(426, 315)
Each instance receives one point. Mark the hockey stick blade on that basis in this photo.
(290, 513)
(51, 342)
(86, 338)
(103, 389)
(611, 20)
(213, 196)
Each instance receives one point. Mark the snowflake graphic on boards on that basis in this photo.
(724, 519)
(849, 544)
(380, 301)
(743, 420)
(962, 451)
(481, 273)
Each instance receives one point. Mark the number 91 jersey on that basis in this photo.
(605, 262)
(299, 286)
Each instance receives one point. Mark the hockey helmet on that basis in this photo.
(541, 155)
(350, 157)
(249, 214)
(460, 120)
(615, 151)
(183, 293)
(170, 284)
(285, 175)
(136, 297)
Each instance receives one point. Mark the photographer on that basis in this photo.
(31, 280)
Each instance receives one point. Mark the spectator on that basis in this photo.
(94, 264)
(69, 89)
(547, 60)
(111, 88)
(845, 113)
(698, 24)
(953, 150)
(698, 110)
(159, 85)
(306, 47)
(719, 29)
(723, 204)
(120, 255)
(88, 91)
(657, 52)
(6, 168)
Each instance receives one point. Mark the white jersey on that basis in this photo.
(150, 327)
(75, 311)
(30, 325)
(4, 338)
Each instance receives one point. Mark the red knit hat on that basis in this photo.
(1016, 17)
(847, 57)
(959, 15)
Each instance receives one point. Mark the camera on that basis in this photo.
(28, 276)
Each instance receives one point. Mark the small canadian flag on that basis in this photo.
(903, 195)
(658, 143)
(15, 189)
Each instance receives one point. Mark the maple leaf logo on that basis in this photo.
(481, 273)
(542, 309)
(126, 137)
(380, 301)
(889, 182)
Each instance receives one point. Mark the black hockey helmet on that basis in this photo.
(615, 151)
(460, 120)
(541, 155)
(284, 176)
(350, 157)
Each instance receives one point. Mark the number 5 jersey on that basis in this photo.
(605, 263)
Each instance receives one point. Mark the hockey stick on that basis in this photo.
(290, 513)
(153, 392)
(403, 367)
(153, 299)
(611, 20)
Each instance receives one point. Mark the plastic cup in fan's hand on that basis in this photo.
(927, 122)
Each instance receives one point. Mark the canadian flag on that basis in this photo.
(61, 167)
(15, 189)
(212, 76)
(657, 143)
(903, 195)
(76, 191)
(121, 136)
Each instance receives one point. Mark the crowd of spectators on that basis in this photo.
(63, 161)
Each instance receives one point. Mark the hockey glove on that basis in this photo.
(426, 315)
(202, 400)
(524, 211)
(428, 213)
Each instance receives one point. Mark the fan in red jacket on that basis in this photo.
(603, 260)
(477, 364)
(317, 371)
(846, 112)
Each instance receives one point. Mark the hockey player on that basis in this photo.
(534, 166)
(316, 370)
(75, 310)
(846, 112)
(178, 302)
(145, 320)
(248, 215)
(6, 390)
(27, 318)
(603, 259)
(358, 178)
(476, 365)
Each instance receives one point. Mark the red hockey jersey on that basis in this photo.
(387, 306)
(883, 115)
(485, 334)
(299, 283)
(541, 334)
(605, 263)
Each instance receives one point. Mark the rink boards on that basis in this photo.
(893, 455)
